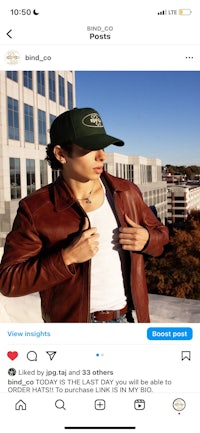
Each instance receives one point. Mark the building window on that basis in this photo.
(142, 173)
(131, 172)
(13, 75)
(61, 91)
(42, 126)
(124, 171)
(41, 83)
(179, 205)
(117, 169)
(28, 79)
(55, 174)
(52, 86)
(13, 119)
(15, 179)
(51, 118)
(70, 95)
(149, 173)
(28, 123)
(180, 198)
(179, 212)
(43, 173)
(30, 175)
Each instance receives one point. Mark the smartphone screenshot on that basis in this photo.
(99, 216)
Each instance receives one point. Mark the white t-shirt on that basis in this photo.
(107, 288)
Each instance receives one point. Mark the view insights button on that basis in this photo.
(171, 333)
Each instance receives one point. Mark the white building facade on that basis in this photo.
(180, 201)
(29, 102)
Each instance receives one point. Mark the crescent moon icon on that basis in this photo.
(35, 13)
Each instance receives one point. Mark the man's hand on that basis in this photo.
(133, 238)
(84, 248)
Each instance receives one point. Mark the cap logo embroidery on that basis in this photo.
(92, 120)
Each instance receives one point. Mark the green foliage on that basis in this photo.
(177, 271)
(190, 171)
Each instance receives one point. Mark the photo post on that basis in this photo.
(100, 216)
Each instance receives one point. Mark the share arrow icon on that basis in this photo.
(51, 354)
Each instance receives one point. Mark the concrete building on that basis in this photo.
(29, 102)
(144, 172)
(180, 201)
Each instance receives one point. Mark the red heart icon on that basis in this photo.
(12, 355)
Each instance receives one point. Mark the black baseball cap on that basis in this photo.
(82, 126)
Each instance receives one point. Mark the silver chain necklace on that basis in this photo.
(87, 199)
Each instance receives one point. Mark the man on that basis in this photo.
(80, 240)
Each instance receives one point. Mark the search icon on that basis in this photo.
(32, 356)
(60, 404)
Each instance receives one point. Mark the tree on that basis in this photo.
(177, 271)
(190, 171)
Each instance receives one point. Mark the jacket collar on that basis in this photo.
(114, 183)
(62, 195)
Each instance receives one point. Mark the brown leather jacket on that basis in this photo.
(48, 220)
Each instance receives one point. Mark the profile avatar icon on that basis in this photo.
(12, 372)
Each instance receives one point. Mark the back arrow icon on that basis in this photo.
(8, 33)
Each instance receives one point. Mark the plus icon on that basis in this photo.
(100, 404)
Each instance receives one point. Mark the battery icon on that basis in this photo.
(185, 11)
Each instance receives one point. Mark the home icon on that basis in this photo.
(20, 405)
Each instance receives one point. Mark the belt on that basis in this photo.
(106, 315)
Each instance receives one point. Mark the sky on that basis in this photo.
(156, 113)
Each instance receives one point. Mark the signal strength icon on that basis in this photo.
(163, 12)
